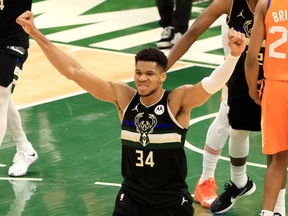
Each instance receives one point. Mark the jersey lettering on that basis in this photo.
(260, 58)
(273, 46)
(148, 161)
(1, 4)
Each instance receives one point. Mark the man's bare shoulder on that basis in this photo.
(124, 93)
(220, 7)
(177, 94)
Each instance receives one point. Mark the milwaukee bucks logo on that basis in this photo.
(247, 26)
(145, 127)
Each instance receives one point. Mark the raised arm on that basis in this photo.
(256, 40)
(186, 97)
(219, 77)
(70, 68)
(200, 25)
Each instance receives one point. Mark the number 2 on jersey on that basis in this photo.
(272, 51)
(142, 161)
(1, 4)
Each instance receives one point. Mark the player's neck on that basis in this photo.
(153, 98)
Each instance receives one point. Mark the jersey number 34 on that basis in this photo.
(141, 161)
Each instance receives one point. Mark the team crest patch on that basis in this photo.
(145, 126)
(247, 26)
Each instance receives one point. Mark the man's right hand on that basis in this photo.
(26, 20)
(237, 42)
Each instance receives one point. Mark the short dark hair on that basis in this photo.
(153, 55)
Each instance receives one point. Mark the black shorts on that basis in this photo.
(9, 59)
(244, 114)
(126, 206)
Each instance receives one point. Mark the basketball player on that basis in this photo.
(154, 123)
(14, 43)
(240, 17)
(271, 23)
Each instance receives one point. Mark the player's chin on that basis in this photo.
(144, 93)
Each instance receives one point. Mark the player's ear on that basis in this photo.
(163, 76)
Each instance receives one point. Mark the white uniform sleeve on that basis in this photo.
(220, 75)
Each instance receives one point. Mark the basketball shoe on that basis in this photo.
(275, 214)
(205, 193)
(176, 38)
(21, 163)
(166, 37)
(225, 201)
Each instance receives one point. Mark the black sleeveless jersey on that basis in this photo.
(12, 34)
(241, 18)
(154, 163)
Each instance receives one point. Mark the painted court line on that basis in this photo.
(201, 151)
(20, 179)
(108, 184)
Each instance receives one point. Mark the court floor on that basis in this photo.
(78, 137)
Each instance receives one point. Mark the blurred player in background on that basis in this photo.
(14, 43)
(271, 25)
